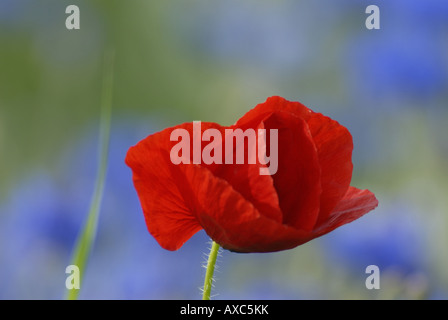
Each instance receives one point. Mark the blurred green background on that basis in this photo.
(179, 61)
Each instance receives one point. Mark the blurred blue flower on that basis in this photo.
(428, 14)
(38, 226)
(268, 289)
(405, 62)
(392, 238)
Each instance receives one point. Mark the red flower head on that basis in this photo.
(243, 210)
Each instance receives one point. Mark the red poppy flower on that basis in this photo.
(242, 210)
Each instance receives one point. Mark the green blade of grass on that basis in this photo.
(86, 237)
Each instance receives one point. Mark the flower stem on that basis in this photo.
(86, 237)
(210, 270)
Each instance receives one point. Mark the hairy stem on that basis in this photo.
(210, 270)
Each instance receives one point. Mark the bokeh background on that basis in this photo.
(179, 61)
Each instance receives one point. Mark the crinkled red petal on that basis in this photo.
(297, 180)
(334, 148)
(354, 204)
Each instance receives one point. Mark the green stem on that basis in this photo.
(210, 270)
(85, 240)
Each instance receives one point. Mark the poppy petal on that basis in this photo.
(354, 204)
(166, 214)
(233, 222)
(275, 104)
(170, 202)
(160, 185)
(334, 148)
(257, 235)
(247, 180)
(297, 179)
